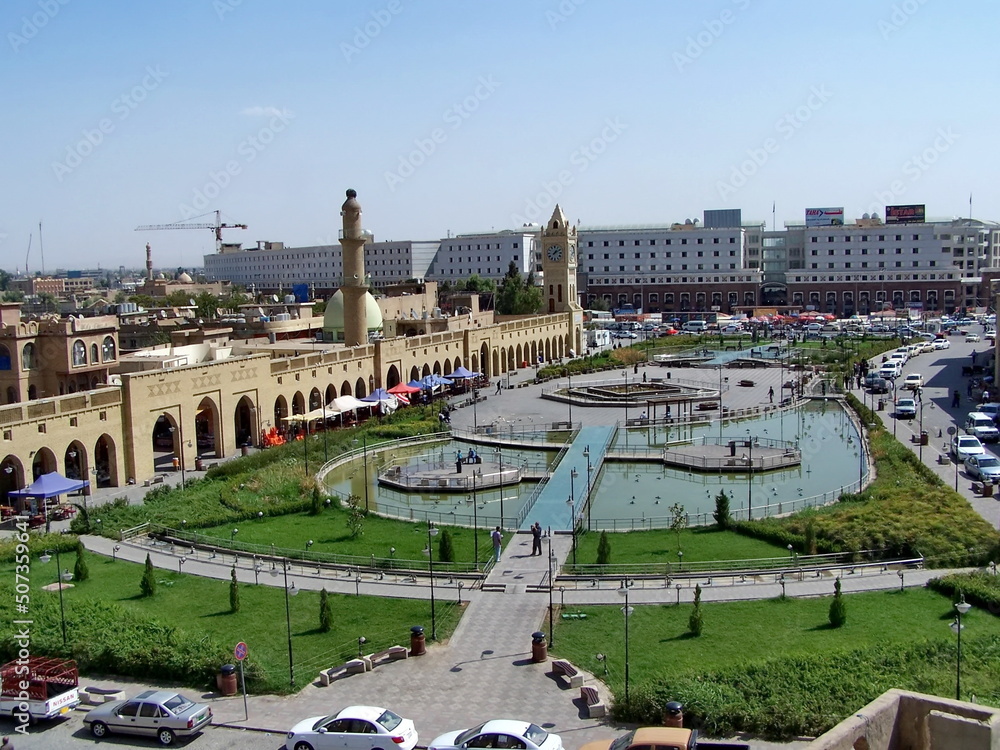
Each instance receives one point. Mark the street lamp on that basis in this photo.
(305, 447)
(180, 451)
(586, 452)
(61, 579)
(364, 444)
(961, 608)
(569, 397)
(551, 585)
(475, 518)
(232, 536)
(625, 375)
(431, 533)
(285, 565)
(572, 509)
(180, 563)
(920, 451)
(326, 432)
(750, 479)
(499, 452)
(114, 552)
(626, 610)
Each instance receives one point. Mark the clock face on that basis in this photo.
(555, 252)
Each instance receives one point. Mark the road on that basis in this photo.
(70, 734)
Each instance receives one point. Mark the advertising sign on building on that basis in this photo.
(825, 217)
(912, 214)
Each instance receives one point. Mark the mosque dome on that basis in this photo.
(184, 278)
(333, 318)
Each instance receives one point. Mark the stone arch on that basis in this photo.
(331, 393)
(457, 363)
(11, 478)
(474, 362)
(106, 462)
(245, 422)
(392, 377)
(486, 365)
(5, 363)
(11, 394)
(559, 343)
(315, 399)
(298, 403)
(32, 392)
(437, 367)
(425, 371)
(28, 359)
(75, 463)
(414, 374)
(208, 429)
(548, 350)
(496, 362)
(360, 389)
(346, 389)
(94, 353)
(447, 367)
(280, 411)
(108, 350)
(166, 442)
(518, 355)
(43, 463)
(79, 353)
(534, 351)
(511, 364)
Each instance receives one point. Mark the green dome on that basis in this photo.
(333, 318)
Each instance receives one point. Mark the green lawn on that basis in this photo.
(660, 547)
(200, 607)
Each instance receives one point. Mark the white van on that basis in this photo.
(696, 326)
(982, 426)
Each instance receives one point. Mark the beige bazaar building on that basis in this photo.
(75, 406)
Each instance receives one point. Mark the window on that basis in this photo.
(5, 360)
(109, 349)
(79, 354)
(28, 357)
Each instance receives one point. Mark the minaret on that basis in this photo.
(354, 285)
(149, 262)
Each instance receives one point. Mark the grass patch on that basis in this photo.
(776, 667)
(660, 547)
(185, 631)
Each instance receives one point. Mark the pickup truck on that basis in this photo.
(38, 688)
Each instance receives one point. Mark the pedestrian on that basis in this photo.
(644, 376)
(770, 394)
(974, 355)
(536, 539)
(956, 399)
(497, 539)
(968, 389)
(6, 744)
(499, 383)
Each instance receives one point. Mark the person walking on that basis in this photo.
(536, 539)
(770, 394)
(499, 385)
(974, 355)
(956, 399)
(497, 540)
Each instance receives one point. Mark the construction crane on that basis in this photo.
(217, 227)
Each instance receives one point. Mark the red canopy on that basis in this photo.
(403, 388)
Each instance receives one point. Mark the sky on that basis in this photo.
(457, 117)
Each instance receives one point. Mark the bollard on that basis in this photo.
(539, 648)
(418, 643)
(673, 715)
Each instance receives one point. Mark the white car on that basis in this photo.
(913, 381)
(906, 408)
(354, 728)
(499, 733)
(971, 338)
(964, 446)
(942, 344)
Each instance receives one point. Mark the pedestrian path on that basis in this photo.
(563, 496)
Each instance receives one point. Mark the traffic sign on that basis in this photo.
(240, 652)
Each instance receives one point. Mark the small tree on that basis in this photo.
(604, 549)
(678, 521)
(325, 612)
(838, 609)
(810, 540)
(148, 583)
(234, 592)
(317, 502)
(80, 570)
(695, 621)
(446, 550)
(355, 517)
(721, 515)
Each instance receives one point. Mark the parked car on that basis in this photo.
(650, 738)
(991, 410)
(942, 344)
(353, 728)
(499, 733)
(913, 381)
(971, 338)
(906, 408)
(982, 426)
(154, 713)
(625, 335)
(889, 370)
(985, 467)
(876, 383)
(964, 446)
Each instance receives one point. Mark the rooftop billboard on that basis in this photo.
(912, 214)
(825, 217)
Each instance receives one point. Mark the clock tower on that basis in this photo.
(559, 259)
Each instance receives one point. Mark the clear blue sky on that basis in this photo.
(629, 112)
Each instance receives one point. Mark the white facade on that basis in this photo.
(488, 254)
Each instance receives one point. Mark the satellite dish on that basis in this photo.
(191, 301)
(274, 297)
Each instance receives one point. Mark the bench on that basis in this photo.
(358, 666)
(397, 652)
(567, 673)
(592, 700)
(156, 479)
(327, 676)
(95, 695)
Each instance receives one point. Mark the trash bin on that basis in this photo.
(176, 463)
(245, 450)
(923, 437)
(673, 715)
(226, 679)
(418, 643)
(199, 465)
(881, 404)
(539, 648)
(987, 488)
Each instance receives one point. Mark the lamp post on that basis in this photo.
(61, 577)
(364, 444)
(305, 446)
(180, 451)
(572, 509)
(475, 519)
(569, 397)
(551, 585)
(961, 608)
(750, 479)
(920, 451)
(625, 375)
(499, 453)
(326, 438)
(586, 452)
(232, 536)
(431, 533)
(626, 610)
(285, 565)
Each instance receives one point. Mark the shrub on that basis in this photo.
(316, 506)
(604, 550)
(148, 582)
(325, 612)
(838, 608)
(721, 515)
(696, 620)
(80, 570)
(446, 550)
(234, 592)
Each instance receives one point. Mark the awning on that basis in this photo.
(50, 485)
